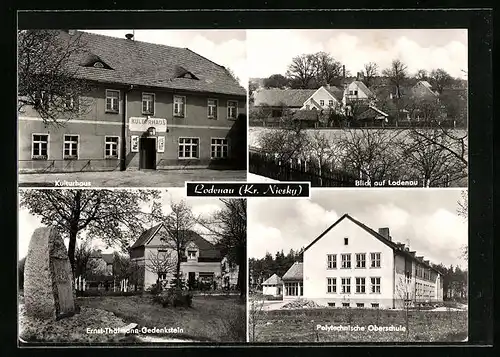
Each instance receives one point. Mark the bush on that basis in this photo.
(174, 297)
(89, 293)
(155, 289)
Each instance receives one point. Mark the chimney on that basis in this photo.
(413, 253)
(130, 36)
(357, 76)
(343, 72)
(384, 232)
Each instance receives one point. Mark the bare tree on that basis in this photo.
(162, 261)
(405, 293)
(422, 75)
(302, 70)
(322, 148)
(326, 69)
(114, 216)
(286, 142)
(440, 79)
(84, 263)
(396, 74)
(255, 316)
(228, 227)
(370, 72)
(49, 77)
(178, 225)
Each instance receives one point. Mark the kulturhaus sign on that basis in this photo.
(143, 124)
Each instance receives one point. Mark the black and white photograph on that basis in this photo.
(351, 265)
(131, 108)
(125, 267)
(359, 108)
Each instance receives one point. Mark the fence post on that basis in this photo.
(84, 286)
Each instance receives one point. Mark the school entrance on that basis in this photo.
(147, 153)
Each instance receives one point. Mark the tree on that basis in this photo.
(322, 148)
(49, 80)
(229, 227)
(161, 262)
(326, 69)
(440, 79)
(463, 211)
(112, 215)
(84, 264)
(276, 81)
(232, 74)
(252, 87)
(286, 142)
(302, 71)
(421, 75)
(405, 293)
(20, 272)
(255, 315)
(178, 226)
(396, 74)
(370, 72)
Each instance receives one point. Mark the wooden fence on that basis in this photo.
(265, 164)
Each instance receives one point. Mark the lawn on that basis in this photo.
(210, 319)
(301, 325)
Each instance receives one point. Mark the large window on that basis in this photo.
(346, 285)
(346, 261)
(360, 260)
(112, 100)
(148, 103)
(212, 108)
(322, 102)
(39, 146)
(375, 260)
(218, 148)
(70, 147)
(188, 148)
(331, 261)
(111, 147)
(331, 285)
(375, 285)
(292, 289)
(360, 285)
(232, 109)
(179, 106)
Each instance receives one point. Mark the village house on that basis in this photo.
(352, 265)
(273, 286)
(151, 106)
(101, 263)
(201, 260)
(229, 273)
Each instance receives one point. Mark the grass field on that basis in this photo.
(301, 325)
(212, 318)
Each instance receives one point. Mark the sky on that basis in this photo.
(224, 47)
(426, 220)
(27, 223)
(418, 48)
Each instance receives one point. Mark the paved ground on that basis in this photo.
(136, 178)
(253, 178)
(273, 305)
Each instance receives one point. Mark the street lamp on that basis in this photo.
(152, 131)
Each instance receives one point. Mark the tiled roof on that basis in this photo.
(337, 92)
(273, 280)
(206, 249)
(107, 257)
(372, 112)
(279, 97)
(398, 247)
(151, 65)
(295, 272)
(364, 88)
(307, 115)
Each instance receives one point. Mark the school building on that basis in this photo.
(150, 106)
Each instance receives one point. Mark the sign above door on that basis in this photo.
(142, 124)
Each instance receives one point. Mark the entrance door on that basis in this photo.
(191, 278)
(147, 153)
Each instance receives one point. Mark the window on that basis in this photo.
(39, 147)
(355, 92)
(350, 92)
(191, 254)
(322, 102)
(375, 260)
(346, 304)
(212, 108)
(70, 147)
(232, 109)
(98, 65)
(360, 260)
(112, 100)
(360, 304)
(308, 107)
(292, 289)
(148, 103)
(360, 285)
(188, 148)
(111, 147)
(162, 276)
(330, 103)
(346, 285)
(346, 241)
(179, 106)
(219, 147)
(331, 285)
(71, 102)
(332, 261)
(375, 282)
(375, 305)
(346, 261)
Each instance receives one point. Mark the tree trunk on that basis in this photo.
(242, 262)
(72, 246)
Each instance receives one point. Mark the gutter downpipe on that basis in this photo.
(123, 161)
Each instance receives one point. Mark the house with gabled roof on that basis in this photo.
(272, 286)
(353, 265)
(201, 260)
(150, 106)
(325, 97)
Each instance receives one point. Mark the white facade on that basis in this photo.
(272, 289)
(321, 99)
(381, 281)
